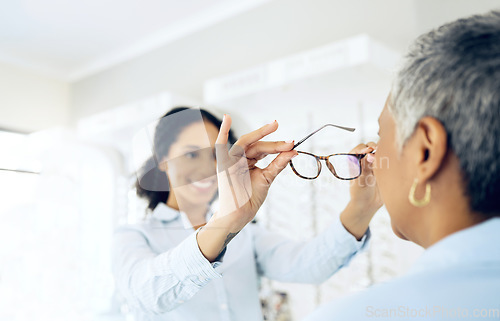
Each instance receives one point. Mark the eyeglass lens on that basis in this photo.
(306, 165)
(345, 166)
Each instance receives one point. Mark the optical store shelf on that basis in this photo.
(340, 76)
(344, 83)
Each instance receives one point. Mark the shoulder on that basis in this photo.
(146, 230)
(367, 304)
(142, 226)
(416, 295)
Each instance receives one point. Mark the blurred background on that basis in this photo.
(80, 79)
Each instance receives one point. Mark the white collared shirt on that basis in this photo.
(458, 278)
(160, 270)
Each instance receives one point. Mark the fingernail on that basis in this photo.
(370, 158)
(294, 156)
(289, 142)
(224, 117)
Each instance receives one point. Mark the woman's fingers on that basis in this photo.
(221, 150)
(367, 178)
(256, 135)
(367, 161)
(224, 130)
(372, 144)
(277, 165)
(364, 148)
(367, 148)
(252, 163)
(259, 150)
(372, 147)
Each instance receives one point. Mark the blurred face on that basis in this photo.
(190, 165)
(394, 176)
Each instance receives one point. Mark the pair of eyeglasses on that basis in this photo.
(342, 166)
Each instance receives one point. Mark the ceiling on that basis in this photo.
(70, 40)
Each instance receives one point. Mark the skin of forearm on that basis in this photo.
(217, 233)
(214, 237)
(356, 219)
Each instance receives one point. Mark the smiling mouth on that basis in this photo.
(204, 184)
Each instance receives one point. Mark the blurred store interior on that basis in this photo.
(79, 80)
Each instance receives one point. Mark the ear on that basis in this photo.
(431, 141)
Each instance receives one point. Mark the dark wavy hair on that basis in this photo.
(166, 133)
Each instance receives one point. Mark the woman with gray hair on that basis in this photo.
(440, 131)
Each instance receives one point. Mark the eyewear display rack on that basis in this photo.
(344, 83)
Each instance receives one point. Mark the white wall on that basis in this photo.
(30, 102)
(271, 31)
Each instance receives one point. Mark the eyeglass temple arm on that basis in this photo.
(314, 132)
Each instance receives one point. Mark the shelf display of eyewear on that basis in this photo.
(342, 83)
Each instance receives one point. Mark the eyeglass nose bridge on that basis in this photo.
(329, 165)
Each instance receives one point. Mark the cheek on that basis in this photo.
(382, 175)
(391, 176)
(387, 171)
(386, 184)
(176, 175)
(382, 167)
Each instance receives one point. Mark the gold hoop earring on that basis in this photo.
(427, 197)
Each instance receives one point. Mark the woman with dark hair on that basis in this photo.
(152, 183)
(187, 262)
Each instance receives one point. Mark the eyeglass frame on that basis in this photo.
(329, 165)
(325, 158)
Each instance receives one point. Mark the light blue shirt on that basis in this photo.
(458, 278)
(160, 270)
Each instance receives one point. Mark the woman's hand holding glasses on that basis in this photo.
(355, 166)
(243, 186)
(365, 198)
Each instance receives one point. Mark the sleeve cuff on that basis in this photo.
(340, 235)
(188, 263)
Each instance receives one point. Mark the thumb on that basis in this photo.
(221, 148)
(367, 178)
(225, 126)
(277, 165)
